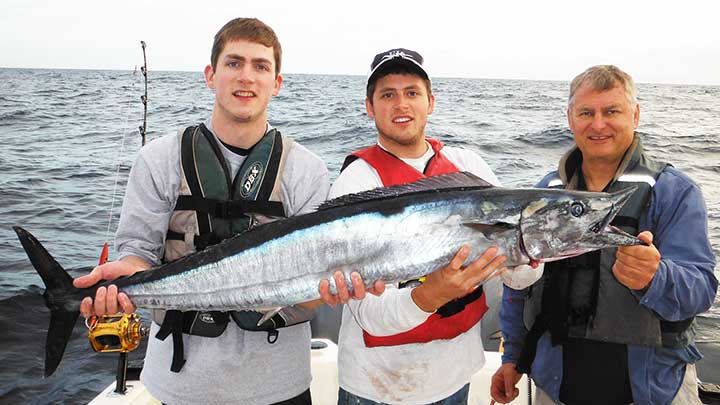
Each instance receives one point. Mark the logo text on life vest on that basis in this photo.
(249, 181)
(206, 317)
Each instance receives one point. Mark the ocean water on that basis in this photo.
(68, 135)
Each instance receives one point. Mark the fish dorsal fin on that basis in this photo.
(452, 181)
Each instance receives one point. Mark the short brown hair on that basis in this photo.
(603, 78)
(395, 70)
(249, 29)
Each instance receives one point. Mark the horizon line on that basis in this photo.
(344, 74)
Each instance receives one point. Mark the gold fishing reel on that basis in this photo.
(115, 333)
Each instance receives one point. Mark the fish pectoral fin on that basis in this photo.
(490, 229)
(269, 314)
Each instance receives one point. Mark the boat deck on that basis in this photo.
(324, 386)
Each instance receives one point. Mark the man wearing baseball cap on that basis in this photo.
(420, 341)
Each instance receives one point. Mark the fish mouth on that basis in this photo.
(611, 235)
(614, 232)
(618, 199)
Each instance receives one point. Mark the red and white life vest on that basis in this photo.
(456, 318)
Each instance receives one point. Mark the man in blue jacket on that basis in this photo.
(615, 326)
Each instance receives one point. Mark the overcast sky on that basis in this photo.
(655, 41)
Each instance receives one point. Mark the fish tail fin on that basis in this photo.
(58, 290)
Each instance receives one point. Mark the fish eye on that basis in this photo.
(577, 209)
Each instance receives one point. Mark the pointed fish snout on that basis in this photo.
(619, 198)
(620, 237)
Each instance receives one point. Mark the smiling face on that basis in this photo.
(400, 106)
(603, 123)
(244, 81)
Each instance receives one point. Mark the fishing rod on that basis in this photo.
(144, 97)
(120, 333)
(143, 134)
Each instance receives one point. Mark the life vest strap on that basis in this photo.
(229, 209)
(201, 242)
(457, 305)
(173, 324)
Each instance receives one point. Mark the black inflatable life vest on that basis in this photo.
(213, 206)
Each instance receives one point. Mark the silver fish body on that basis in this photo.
(392, 234)
(395, 239)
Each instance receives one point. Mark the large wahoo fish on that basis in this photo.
(392, 234)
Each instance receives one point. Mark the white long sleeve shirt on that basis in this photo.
(413, 373)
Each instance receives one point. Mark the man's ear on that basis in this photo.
(210, 76)
(278, 83)
(636, 116)
(369, 108)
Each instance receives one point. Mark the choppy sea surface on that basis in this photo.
(67, 135)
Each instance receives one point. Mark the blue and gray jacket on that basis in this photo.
(683, 287)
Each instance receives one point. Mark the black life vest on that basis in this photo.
(213, 206)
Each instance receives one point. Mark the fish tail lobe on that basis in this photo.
(58, 292)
